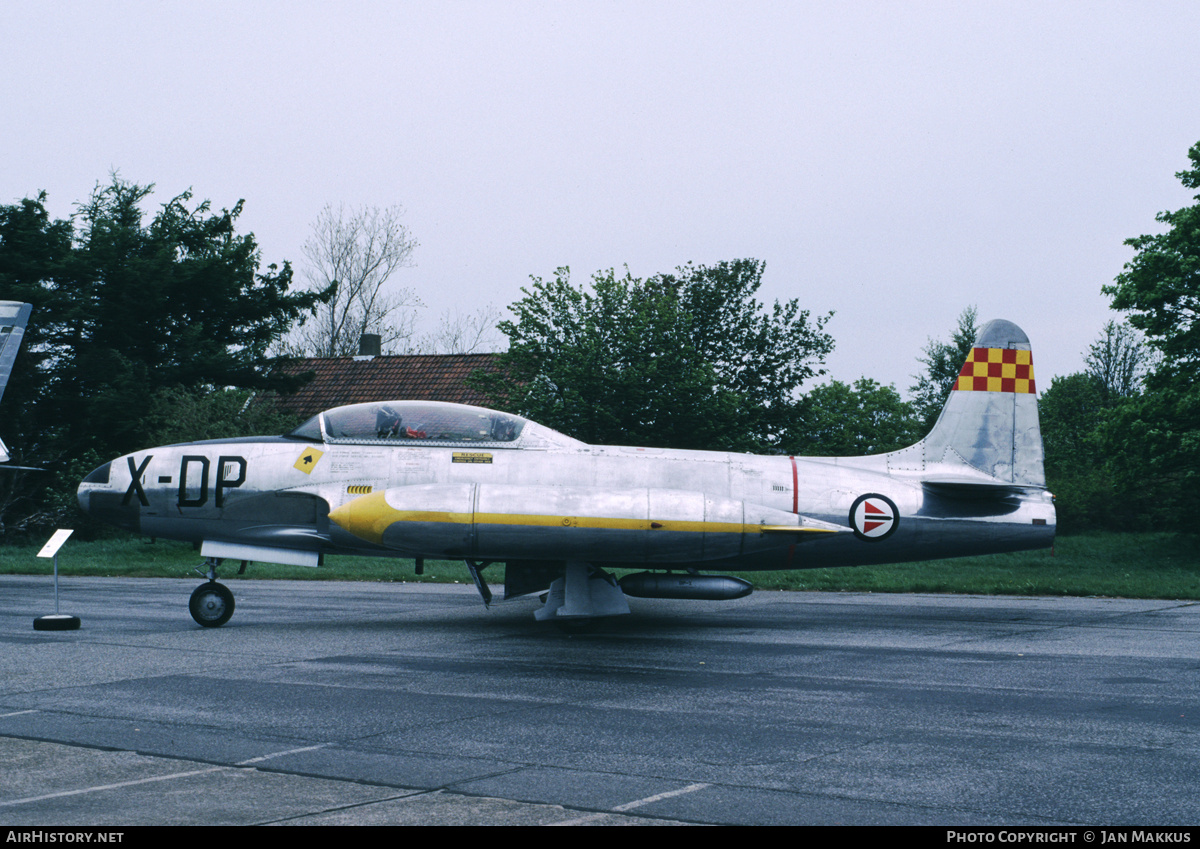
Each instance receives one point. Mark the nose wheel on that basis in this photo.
(212, 603)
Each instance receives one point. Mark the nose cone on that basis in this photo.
(97, 477)
(102, 500)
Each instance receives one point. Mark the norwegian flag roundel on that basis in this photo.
(874, 517)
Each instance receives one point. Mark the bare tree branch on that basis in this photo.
(360, 250)
(463, 334)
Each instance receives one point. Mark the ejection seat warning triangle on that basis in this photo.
(308, 460)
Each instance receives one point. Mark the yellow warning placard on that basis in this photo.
(308, 460)
(471, 457)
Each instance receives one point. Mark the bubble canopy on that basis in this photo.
(426, 423)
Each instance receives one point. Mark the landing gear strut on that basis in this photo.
(583, 592)
(211, 604)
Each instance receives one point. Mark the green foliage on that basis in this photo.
(684, 360)
(127, 312)
(1152, 446)
(1153, 440)
(1160, 286)
(943, 362)
(175, 415)
(762, 357)
(841, 420)
(1070, 412)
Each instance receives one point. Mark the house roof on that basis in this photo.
(353, 380)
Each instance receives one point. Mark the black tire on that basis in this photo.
(56, 622)
(211, 604)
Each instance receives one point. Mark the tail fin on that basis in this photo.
(988, 431)
(14, 315)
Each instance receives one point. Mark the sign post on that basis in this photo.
(55, 621)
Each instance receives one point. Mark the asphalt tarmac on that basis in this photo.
(355, 703)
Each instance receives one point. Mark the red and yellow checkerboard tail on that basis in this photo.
(997, 370)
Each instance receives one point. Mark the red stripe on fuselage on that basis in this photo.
(795, 505)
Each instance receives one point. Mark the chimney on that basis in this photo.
(370, 345)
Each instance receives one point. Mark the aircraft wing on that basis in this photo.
(807, 529)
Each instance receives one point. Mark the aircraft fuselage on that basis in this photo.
(604, 504)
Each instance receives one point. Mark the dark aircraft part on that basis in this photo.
(525, 577)
(211, 604)
(693, 587)
(112, 507)
(485, 592)
(300, 509)
(963, 501)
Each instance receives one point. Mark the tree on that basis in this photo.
(1118, 360)
(126, 310)
(1154, 438)
(762, 357)
(357, 252)
(1070, 412)
(1084, 451)
(1160, 286)
(30, 245)
(684, 360)
(839, 420)
(943, 361)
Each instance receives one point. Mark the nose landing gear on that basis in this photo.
(211, 604)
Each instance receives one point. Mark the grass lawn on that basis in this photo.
(1133, 565)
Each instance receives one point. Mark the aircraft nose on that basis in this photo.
(97, 477)
(100, 500)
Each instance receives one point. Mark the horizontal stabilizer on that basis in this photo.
(7, 468)
(950, 484)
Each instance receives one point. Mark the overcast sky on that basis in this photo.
(892, 162)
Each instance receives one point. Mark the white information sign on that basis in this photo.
(54, 543)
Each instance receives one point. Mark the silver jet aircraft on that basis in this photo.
(418, 479)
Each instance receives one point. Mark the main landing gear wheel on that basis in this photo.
(211, 604)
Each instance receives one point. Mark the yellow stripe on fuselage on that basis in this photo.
(368, 517)
(603, 522)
